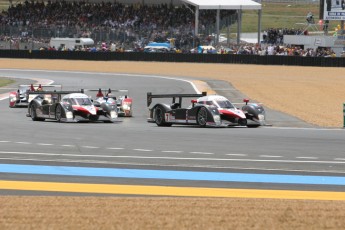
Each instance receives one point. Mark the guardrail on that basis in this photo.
(176, 57)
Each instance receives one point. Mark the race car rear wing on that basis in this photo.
(109, 91)
(173, 96)
(56, 92)
(37, 85)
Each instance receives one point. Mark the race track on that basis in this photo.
(132, 152)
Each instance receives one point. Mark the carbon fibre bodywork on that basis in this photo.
(206, 111)
(197, 114)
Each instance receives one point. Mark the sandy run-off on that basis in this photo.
(313, 94)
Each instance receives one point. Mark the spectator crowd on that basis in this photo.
(113, 24)
(127, 23)
(275, 35)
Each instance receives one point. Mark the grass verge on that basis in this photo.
(280, 15)
(5, 81)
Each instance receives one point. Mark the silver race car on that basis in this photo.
(21, 97)
(123, 101)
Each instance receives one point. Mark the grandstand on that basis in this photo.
(129, 24)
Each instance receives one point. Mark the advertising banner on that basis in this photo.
(334, 10)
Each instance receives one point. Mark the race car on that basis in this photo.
(212, 111)
(123, 102)
(70, 106)
(21, 97)
(251, 114)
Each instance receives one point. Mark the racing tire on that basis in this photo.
(33, 113)
(201, 117)
(94, 118)
(253, 126)
(242, 122)
(58, 113)
(159, 117)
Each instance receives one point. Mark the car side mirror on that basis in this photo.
(193, 102)
(246, 101)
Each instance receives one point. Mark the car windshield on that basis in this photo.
(111, 100)
(225, 104)
(81, 101)
(23, 89)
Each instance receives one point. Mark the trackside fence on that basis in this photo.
(176, 57)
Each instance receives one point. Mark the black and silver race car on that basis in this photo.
(70, 106)
(213, 110)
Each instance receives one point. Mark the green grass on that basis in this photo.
(5, 81)
(280, 15)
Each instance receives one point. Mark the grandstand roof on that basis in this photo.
(225, 4)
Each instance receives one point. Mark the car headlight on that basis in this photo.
(12, 99)
(216, 118)
(126, 107)
(113, 114)
(69, 115)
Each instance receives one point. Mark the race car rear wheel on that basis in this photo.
(33, 113)
(202, 117)
(159, 117)
(58, 113)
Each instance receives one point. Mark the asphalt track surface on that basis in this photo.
(133, 157)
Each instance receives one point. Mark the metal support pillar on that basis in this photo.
(239, 25)
(228, 23)
(196, 28)
(259, 25)
(217, 22)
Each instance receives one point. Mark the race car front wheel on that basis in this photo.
(202, 117)
(94, 118)
(33, 113)
(242, 122)
(159, 116)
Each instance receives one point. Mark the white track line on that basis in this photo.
(202, 153)
(143, 150)
(173, 158)
(311, 158)
(90, 147)
(45, 144)
(169, 151)
(270, 156)
(236, 154)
